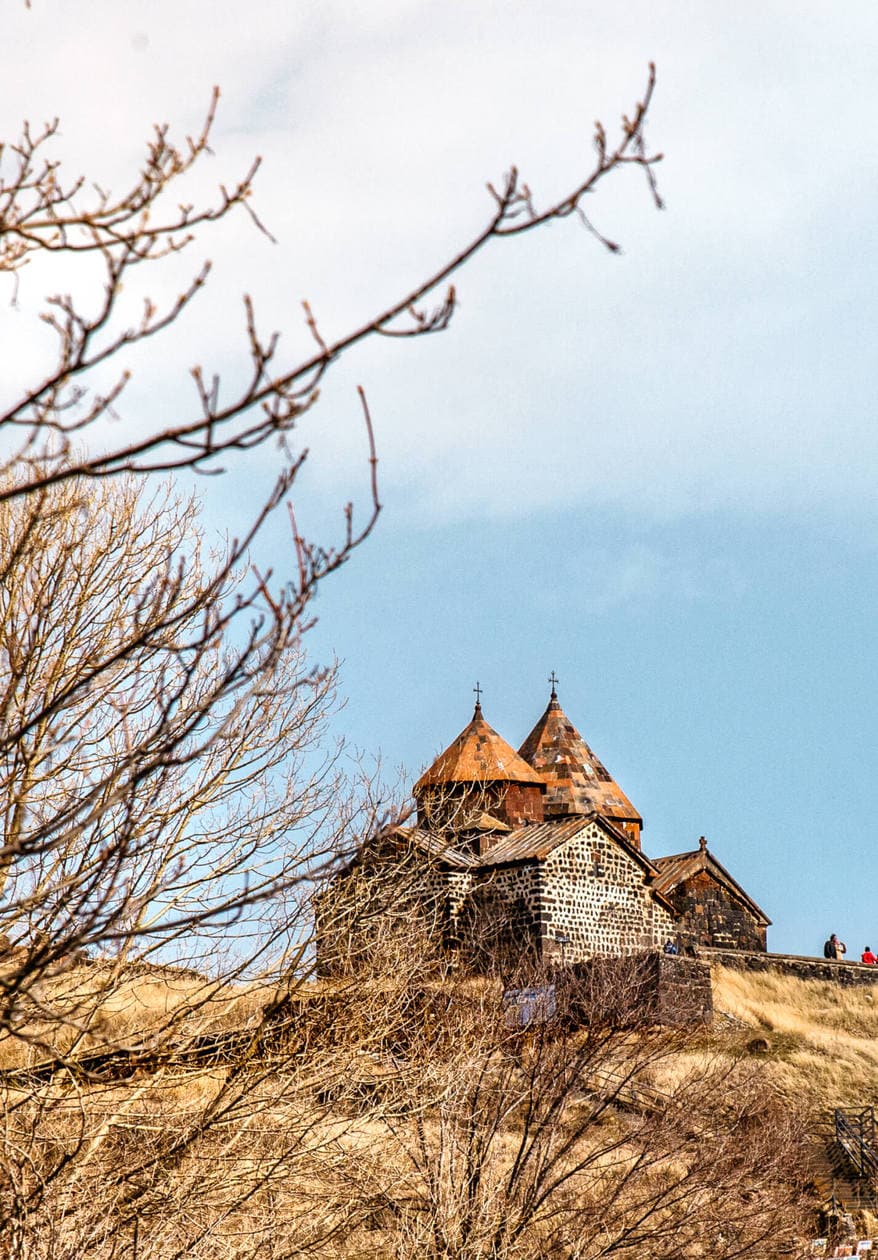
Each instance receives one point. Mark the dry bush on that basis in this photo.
(552, 1141)
(395, 1112)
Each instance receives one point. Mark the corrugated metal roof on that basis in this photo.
(533, 842)
(578, 783)
(479, 755)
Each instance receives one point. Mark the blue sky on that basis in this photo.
(654, 473)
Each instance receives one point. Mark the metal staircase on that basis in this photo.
(846, 1160)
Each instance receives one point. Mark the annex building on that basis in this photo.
(537, 853)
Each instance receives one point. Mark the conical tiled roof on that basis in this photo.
(479, 755)
(577, 782)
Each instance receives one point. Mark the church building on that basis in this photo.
(537, 854)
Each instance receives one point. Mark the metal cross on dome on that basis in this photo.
(554, 682)
(477, 689)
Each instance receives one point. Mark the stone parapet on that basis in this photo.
(801, 966)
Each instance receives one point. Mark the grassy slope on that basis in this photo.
(823, 1038)
(822, 1048)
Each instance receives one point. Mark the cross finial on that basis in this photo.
(477, 689)
(554, 682)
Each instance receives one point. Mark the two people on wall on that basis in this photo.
(834, 948)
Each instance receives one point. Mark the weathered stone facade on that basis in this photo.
(595, 892)
(535, 857)
(650, 987)
(588, 895)
(709, 915)
(711, 907)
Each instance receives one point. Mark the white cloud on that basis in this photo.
(724, 361)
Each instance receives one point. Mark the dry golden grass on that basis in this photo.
(94, 1007)
(822, 1037)
(318, 1143)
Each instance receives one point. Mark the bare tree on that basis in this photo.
(54, 435)
(553, 1140)
(166, 785)
(163, 794)
(169, 798)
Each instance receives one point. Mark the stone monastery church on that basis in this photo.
(538, 852)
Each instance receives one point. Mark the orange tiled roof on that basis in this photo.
(479, 755)
(577, 782)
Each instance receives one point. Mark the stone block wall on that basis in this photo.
(521, 803)
(590, 890)
(383, 904)
(642, 989)
(596, 894)
(710, 915)
(803, 968)
(499, 919)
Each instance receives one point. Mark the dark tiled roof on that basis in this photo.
(530, 843)
(538, 840)
(436, 847)
(577, 781)
(479, 755)
(677, 867)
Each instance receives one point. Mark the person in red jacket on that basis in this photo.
(868, 957)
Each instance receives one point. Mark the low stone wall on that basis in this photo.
(804, 968)
(640, 989)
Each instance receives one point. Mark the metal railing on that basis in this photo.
(855, 1134)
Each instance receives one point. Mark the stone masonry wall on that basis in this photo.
(499, 920)
(642, 989)
(596, 894)
(589, 890)
(710, 915)
(386, 901)
(803, 968)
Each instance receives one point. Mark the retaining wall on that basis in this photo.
(846, 973)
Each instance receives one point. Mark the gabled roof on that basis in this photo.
(678, 867)
(532, 843)
(436, 847)
(577, 781)
(479, 755)
(537, 841)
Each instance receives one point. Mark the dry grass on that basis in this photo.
(316, 1147)
(822, 1037)
(95, 1007)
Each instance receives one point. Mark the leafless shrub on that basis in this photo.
(164, 796)
(550, 1141)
